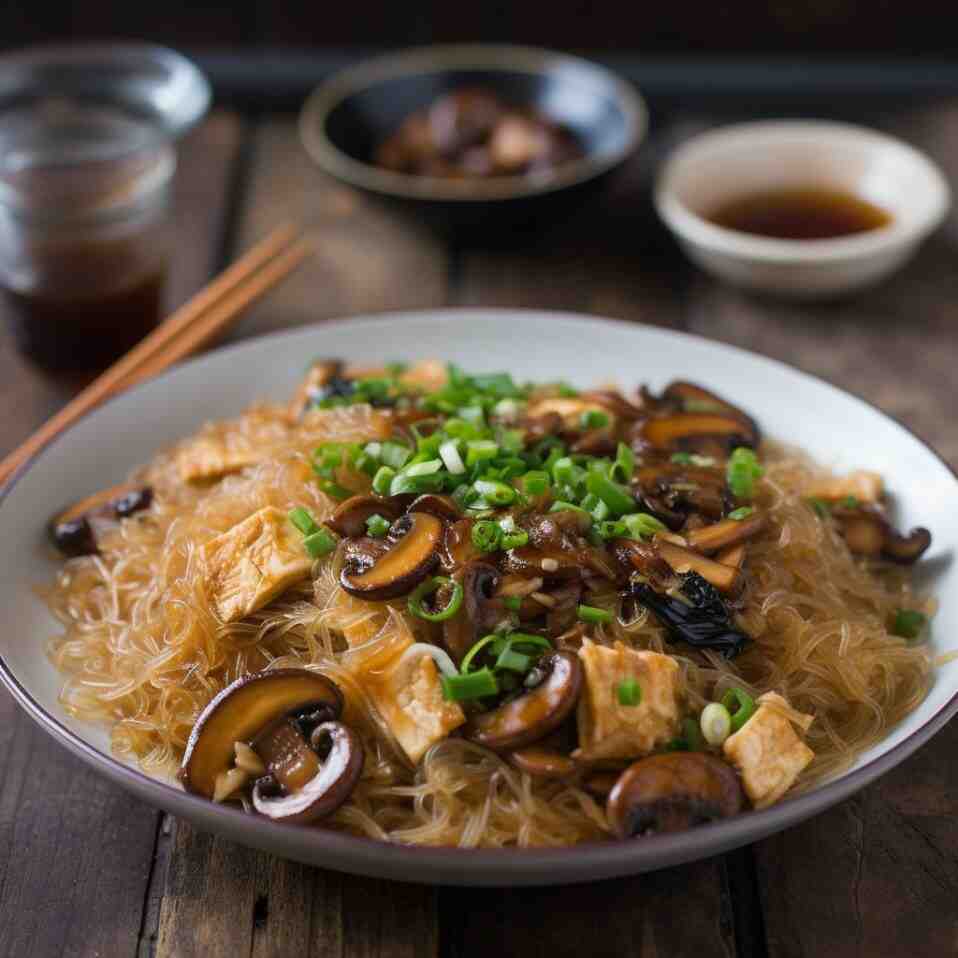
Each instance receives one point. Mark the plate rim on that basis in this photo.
(588, 861)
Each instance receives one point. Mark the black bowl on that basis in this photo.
(346, 118)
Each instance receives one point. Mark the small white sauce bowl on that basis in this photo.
(734, 161)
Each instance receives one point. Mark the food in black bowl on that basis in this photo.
(474, 137)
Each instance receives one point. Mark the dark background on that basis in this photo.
(911, 28)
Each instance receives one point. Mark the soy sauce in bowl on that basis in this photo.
(803, 213)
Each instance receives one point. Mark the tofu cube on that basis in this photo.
(408, 695)
(211, 457)
(608, 729)
(253, 562)
(768, 752)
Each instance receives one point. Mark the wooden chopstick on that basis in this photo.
(210, 311)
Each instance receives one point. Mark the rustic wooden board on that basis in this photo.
(75, 850)
(877, 875)
(222, 899)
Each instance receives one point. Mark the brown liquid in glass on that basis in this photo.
(802, 213)
(85, 333)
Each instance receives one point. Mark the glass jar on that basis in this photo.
(84, 214)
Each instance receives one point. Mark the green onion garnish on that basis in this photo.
(377, 526)
(560, 505)
(303, 521)
(593, 615)
(496, 493)
(909, 623)
(682, 458)
(514, 540)
(535, 483)
(742, 471)
(513, 661)
(641, 525)
(849, 502)
(334, 489)
(394, 455)
(512, 602)
(629, 692)
(616, 497)
(428, 588)
(624, 465)
(486, 535)
(474, 651)
(593, 419)
(479, 450)
(821, 507)
(383, 479)
(742, 513)
(715, 723)
(449, 454)
(741, 706)
(320, 543)
(693, 735)
(612, 529)
(475, 685)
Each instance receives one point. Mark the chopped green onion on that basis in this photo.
(514, 540)
(682, 458)
(629, 692)
(428, 588)
(743, 513)
(641, 525)
(474, 415)
(383, 479)
(616, 497)
(741, 706)
(428, 468)
(624, 466)
(693, 735)
(507, 409)
(593, 419)
(715, 723)
(821, 507)
(510, 441)
(474, 651)
(334, 489)
(377, 526)
(513, 661)
(703, 462)
(741, 472)
(535, 483)
(600, 511)
(449, 454)
(849, 502)
(497, 493)
(320, 543)
(475, 685)
(612, 529)
(592, 615)
(560, 505)
(909, 623)
(303, 521)
(486, 535)
(512, 603)
(479, 450)
(533, 641)
(394, 454)
(564, 470)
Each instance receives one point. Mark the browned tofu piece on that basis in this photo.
(768, 752)
(608, 729)
(212, 457)
(408, 695)
(316, 377)
(861, 485)
(252, 563)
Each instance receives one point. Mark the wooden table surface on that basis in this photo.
(87, 870)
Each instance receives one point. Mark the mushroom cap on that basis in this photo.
(350, 517)
(406, 561)
(241, 711)
(70, 529)
(325, 791)
(672, 792)
(535, 713)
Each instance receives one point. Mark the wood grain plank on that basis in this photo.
(876, 876)
(222, 899)
(594, 263)
(75, 850)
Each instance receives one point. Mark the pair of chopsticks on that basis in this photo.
(195, 323)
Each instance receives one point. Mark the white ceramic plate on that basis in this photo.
(834, 426)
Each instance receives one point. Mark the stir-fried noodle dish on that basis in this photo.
(448, 609)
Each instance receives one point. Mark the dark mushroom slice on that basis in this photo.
(868, 533)
(535, 713)
(733, 556)
(692, 398)
(71, 530)
(482, 611)
(349, 519)
(682, 560)
(540, 762)
(615, 402)
(673, 792)
(442, 507)
(672, 490)
(698, 432)
(530, 562)
(600, 784)
(241, 711)
(411, 552)
(728, 532)
(701, 625)
(457, 546)
(319, 795)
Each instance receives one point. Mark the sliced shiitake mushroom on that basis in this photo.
(728, 532)
(698, 432)
(71, 530)
(242, 711)
(692, 398)
(349, 519)
(484, 610)
(869, 533)
(442, 507)
(673, 792)
(672, 490)
(411, 552)
(724, 578)
(542, 762)
(457, 546)
(535, 713)
(318, 795)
